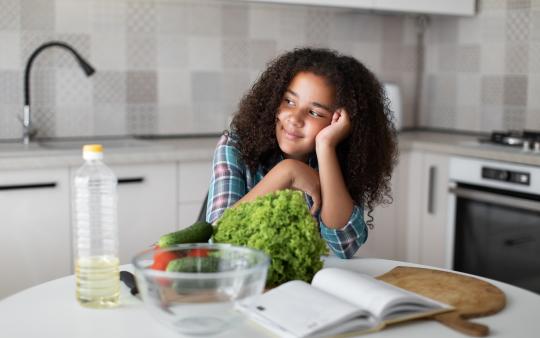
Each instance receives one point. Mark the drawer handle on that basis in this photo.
(130, 180)
(28, 186)
(431, 190)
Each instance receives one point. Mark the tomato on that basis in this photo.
(198, 252)
(162, 259)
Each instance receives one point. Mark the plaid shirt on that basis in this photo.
(232, 179)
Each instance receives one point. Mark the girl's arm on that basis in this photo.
(337, 204)
(342, 222)
(288, 174)
(229, 185)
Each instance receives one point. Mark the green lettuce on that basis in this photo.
(281, 225)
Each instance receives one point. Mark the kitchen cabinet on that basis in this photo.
(147, 205)
(35, 214)
(414, 226)
(36, 197)
(361, 4)
(193, 181)
(436, 7)
(385, 239)
(35, 245)
(426, 201)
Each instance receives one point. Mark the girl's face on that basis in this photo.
(306, 108)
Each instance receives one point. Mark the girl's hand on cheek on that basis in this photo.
(339, 128)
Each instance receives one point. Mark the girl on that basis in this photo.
(315, 121)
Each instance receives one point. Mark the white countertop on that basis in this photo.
(50, 310)
(463, 145)
(202, 148)
(159, 150)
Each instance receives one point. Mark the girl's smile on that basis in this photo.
(304, 111)
(291, 135)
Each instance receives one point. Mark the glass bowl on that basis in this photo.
(199, 297)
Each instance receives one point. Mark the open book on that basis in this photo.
(337, 302)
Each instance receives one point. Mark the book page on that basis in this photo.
(298, 309)
(383, 300)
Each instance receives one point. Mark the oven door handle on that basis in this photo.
(508, 201)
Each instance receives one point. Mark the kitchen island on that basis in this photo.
(50, 310)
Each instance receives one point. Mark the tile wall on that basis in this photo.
(483, 73)
(171, 66)
(181, 66)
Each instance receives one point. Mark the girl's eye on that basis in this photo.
(314, 113)
(289, 102)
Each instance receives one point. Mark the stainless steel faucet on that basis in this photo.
(28, 130)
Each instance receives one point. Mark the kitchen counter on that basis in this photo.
(201, 148)
(141, 151)
(463, 145)
(50, 310)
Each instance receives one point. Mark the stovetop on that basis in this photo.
(526, 140)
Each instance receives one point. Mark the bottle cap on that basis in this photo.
(92, 151)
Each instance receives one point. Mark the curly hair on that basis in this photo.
(367, 155)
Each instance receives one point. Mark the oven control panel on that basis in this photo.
(504, 175)
(495, 174)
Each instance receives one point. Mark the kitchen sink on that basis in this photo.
(13, 148)
(106, 143)
(18, 147)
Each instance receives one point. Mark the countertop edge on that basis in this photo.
(202, 149)
(462, 145)
(164, 151)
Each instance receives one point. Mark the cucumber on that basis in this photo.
(198, 232)
(194, 264)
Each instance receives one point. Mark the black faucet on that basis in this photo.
(28, 132)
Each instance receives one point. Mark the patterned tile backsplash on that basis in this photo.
(171, 67)
(181, 66)
(491, 60)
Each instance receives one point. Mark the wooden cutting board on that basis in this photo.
(470, 296)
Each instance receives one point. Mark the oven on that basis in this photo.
(494, 220)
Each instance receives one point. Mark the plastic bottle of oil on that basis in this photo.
(96, 232)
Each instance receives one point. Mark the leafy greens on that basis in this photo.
(281, 225)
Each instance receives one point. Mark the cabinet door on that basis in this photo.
(147, 205)
(384, 240)
(425, 199)
(433, 233)
(35, 245)
(414, 204)
(193, 181)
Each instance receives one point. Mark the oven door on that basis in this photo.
(497, 234)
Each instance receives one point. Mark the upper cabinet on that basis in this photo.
(365, 4)
(437, 7)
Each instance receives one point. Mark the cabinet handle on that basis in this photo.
(28, 186)
(518, 241)
(130, 180)
(431, 190)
